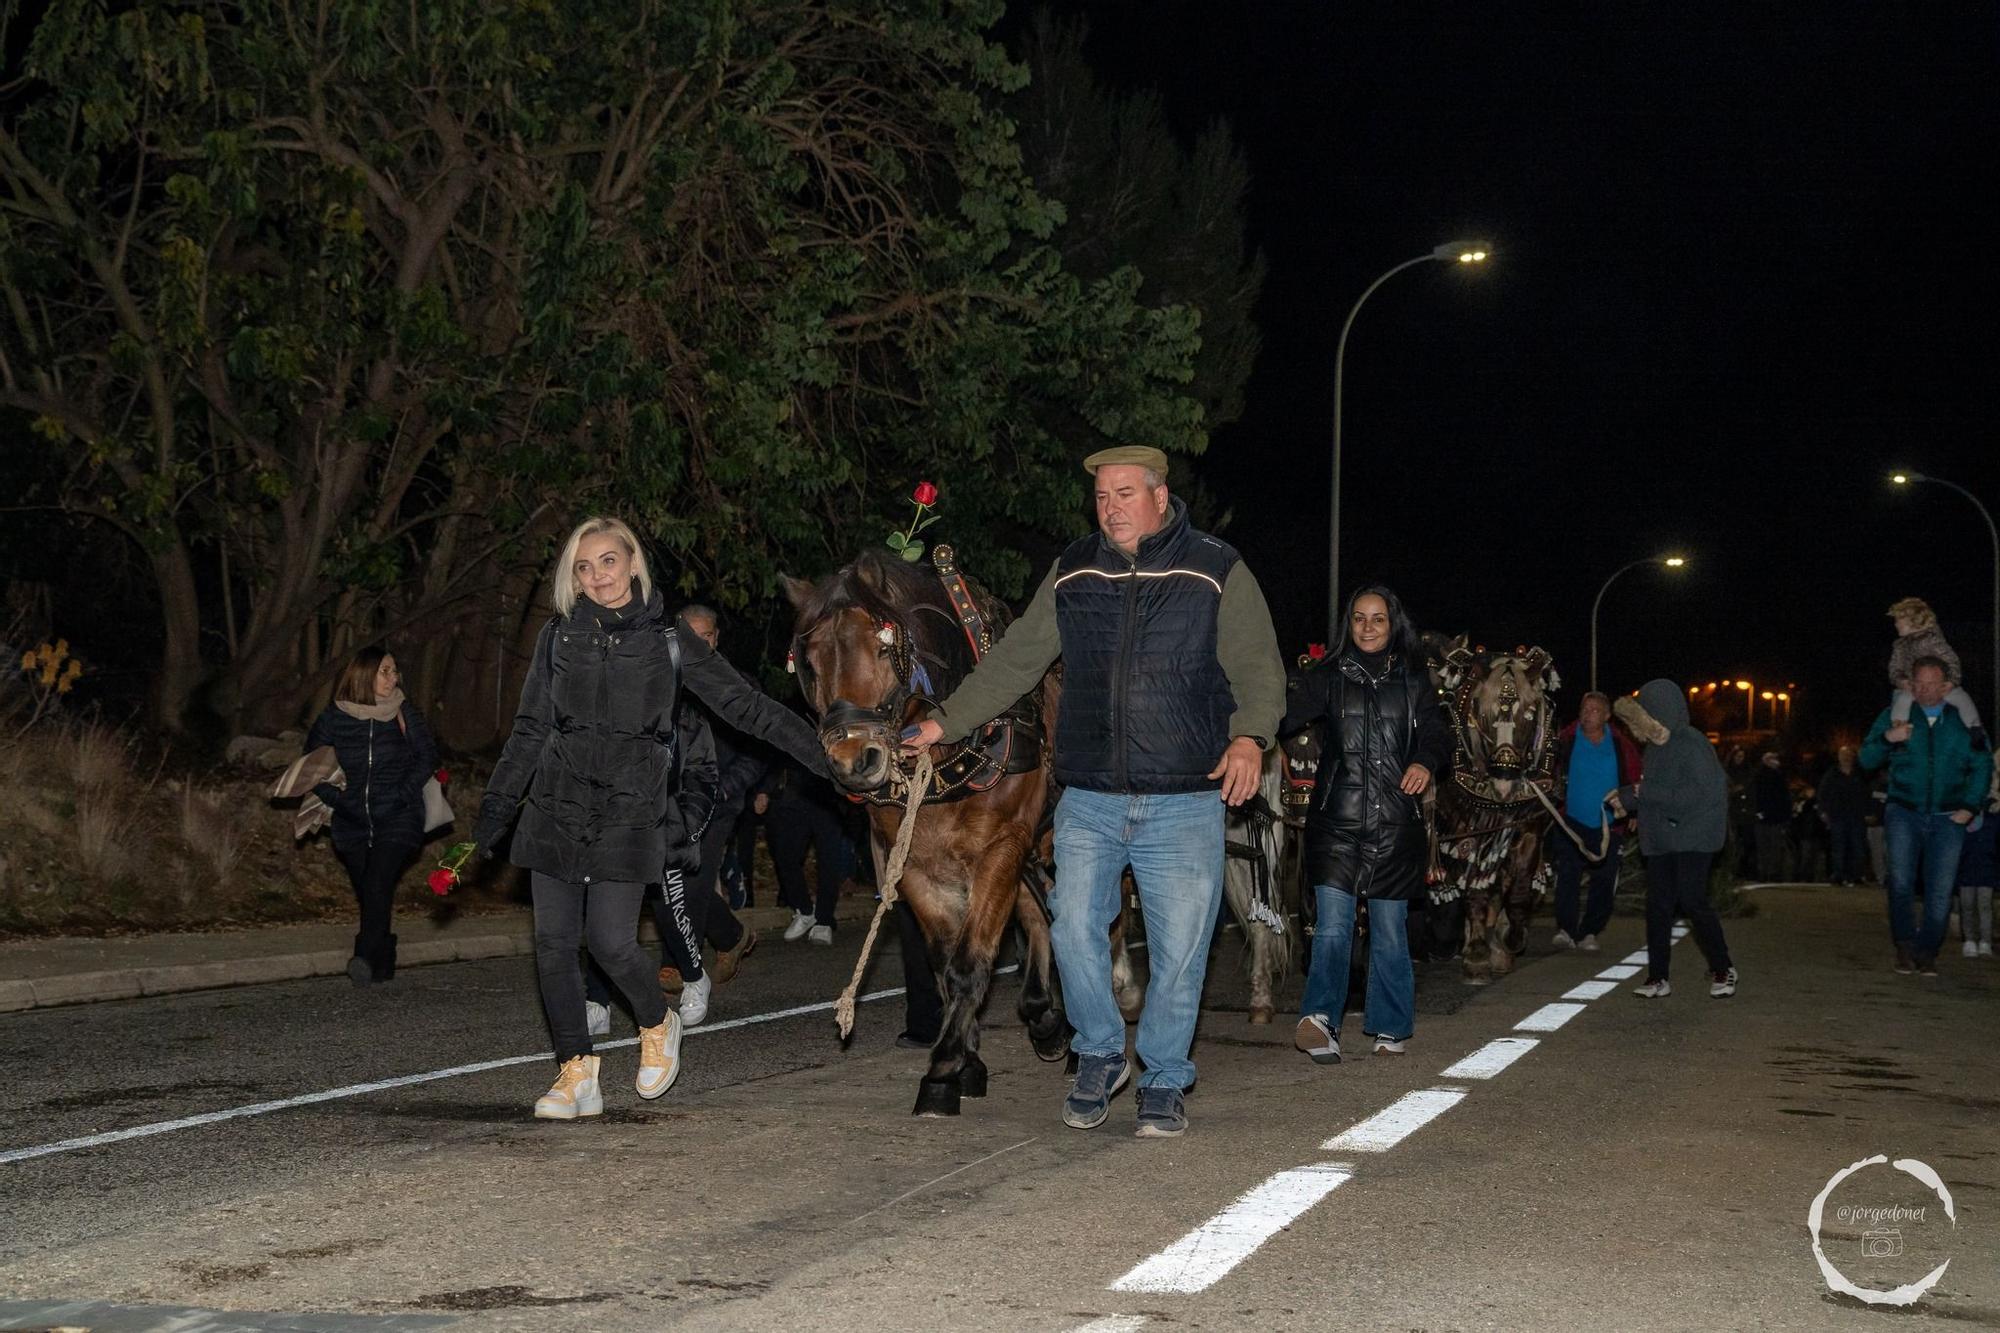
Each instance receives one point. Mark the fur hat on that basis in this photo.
(1640, 722)
(1916, 610)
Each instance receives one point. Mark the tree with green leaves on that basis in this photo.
(342, 312)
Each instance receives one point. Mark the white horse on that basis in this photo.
(1257, 881)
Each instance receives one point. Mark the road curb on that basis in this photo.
(131, 983)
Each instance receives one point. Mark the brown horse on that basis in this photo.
(870, 645)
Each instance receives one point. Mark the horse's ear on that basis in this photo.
(1537, 661)
(796, 590)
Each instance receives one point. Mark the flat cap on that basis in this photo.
(1128, 455)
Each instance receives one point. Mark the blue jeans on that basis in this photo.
(1928, 845)
(1174, 846)
(1392, 983)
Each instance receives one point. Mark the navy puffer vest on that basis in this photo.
(1145, 703)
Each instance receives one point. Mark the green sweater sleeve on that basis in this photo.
(1014, 667)
(1247, 646)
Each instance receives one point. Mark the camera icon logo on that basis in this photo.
(1882, 1244)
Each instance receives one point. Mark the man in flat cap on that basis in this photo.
(1172, 690)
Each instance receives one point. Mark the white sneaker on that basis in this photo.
(1985, 949)
(596, 1018)
(694, 1001)
(1588, 944)
(575, 1093)
(1722, 985)
(801, 923)
(1563, 941)
(1969, 950)
(820, 934)
(1653, 990)
(659, 1056)
(1389, 1045)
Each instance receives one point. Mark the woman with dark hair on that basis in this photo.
(1383, 739)
(386, 755)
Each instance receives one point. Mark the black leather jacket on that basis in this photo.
(1363, 834)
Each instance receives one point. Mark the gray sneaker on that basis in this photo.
(1098, 1078)
(1162, 1113)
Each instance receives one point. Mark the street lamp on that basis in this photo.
(1464, 254)
(1911, 478)
(1668, 561)
(1750, 702)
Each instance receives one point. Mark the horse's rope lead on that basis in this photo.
(892, 873)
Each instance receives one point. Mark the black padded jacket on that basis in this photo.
(1363, 834)
(386, 765)
(590, 763)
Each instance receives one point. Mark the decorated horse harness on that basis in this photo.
(1009, 744)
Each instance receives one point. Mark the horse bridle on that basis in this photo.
(845, 720)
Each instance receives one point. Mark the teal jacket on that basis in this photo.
(1936, 770)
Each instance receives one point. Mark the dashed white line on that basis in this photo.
(1549, 1017)
(1637, 959)
(1619, 972)
(1112, 1323)
(1396, 1121)
(1590, 990)
(1199, 1259)
(1491, 1058)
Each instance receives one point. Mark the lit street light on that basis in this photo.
(1911, 478)
(1464, 254)
(1668, 561)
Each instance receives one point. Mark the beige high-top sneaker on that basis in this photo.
(659, 1057)
(576, 1091)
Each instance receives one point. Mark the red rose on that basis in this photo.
(443, 775)
(441, 881)
(1316, 651)
(925, 494)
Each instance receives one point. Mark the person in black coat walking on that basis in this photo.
(1842, 797)
(1383, 740)
(386, 756)
(592, 769)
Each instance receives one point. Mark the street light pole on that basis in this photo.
(1668, 561)
(1467, 253)
(1905, 479)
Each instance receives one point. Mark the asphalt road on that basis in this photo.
(1645, 1165)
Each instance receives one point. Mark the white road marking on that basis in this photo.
(1491, 1058)
(1619, 972)
(1635, 959)
(1396, 1121)
(406, 1080)
(1549, 1017)
(1112, 1323)
(1199, 1259)
(1590, 990)
(1680, 932)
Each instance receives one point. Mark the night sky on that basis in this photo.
(1746, 260)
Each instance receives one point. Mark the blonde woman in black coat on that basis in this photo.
(592, 770)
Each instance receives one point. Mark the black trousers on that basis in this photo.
(374, 871)
(608, 912)
(1677, 885)
(713, 921)
(1846, 850)
(792, 825)
(1573, 872)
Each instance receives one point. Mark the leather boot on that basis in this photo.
(359, 970)
(384, 961)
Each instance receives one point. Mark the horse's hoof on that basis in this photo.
(971, 1081)
(1052, 1044)
(1261, 1013)
(938, 1096)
